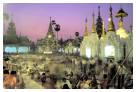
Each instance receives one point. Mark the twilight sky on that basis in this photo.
(32, 20)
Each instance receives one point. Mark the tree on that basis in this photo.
(11, 34)
(57, 29)
(77, 39)
(6, 16)
(33, 46)
(61, 43)
(77, 34)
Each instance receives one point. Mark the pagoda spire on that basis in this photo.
(86, 32)
(50, 19)
(50, 26)
(103, 28)
(99, 24)
(99, 11)
(50, 32)
(121, 31)
(93, 24)
(111, 26)
(12, 27)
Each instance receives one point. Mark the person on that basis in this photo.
(65, 86)
(105, 69)
(20, 81)
(65, 81)
(92, 64)
(104, 82)
(74, 81)
(37, 75)
(94, 82)
(5, 75)
(4, 67)
(86, 83)
(32, 73)
(70, 77)
(6, 62)
(14, 67)
(78, 80)
(129, 82)
(84, 65)
(112, 73)
(121, 74)
(10, 81)
(43, 79)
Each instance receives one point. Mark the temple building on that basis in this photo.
(125, 38)
(85, 47)
(110, 44)
(70, 48)
(99, 24)
(102, 41)
(14, 43)
(94, 39)
(129, 47)
(10, 37)
(48, 44)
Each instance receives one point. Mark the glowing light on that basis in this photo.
(109, 51)
(10, 49)
(92, 61)
(75, 49)
(88, 52)
(47, 52)
(78, 49)
(23, 49)
(49, 36)
(83, 62)
(122, 33)
(61, 50)
(76, 62)
(109, 19)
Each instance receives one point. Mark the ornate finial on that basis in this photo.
(50, 19)
(110, 10)
(11, 19)
(103, 29)
(131, 27)
(121, 14)
(120, 6)
(98, 10)
(20, 34)
(93, 24)
(86, 32)
(86, 20)
(120, 24)
(110, 23)
(121, 32)
(93, 15)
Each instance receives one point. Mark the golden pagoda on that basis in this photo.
(93, 25)
(103, 29)
(86, 32)
(121, 31)
(111, 26)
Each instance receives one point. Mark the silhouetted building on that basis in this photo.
(13, 43)
(48, 44)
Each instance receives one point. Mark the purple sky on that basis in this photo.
(32, 20)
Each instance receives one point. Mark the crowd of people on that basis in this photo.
(12, 77)
(95, 74)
